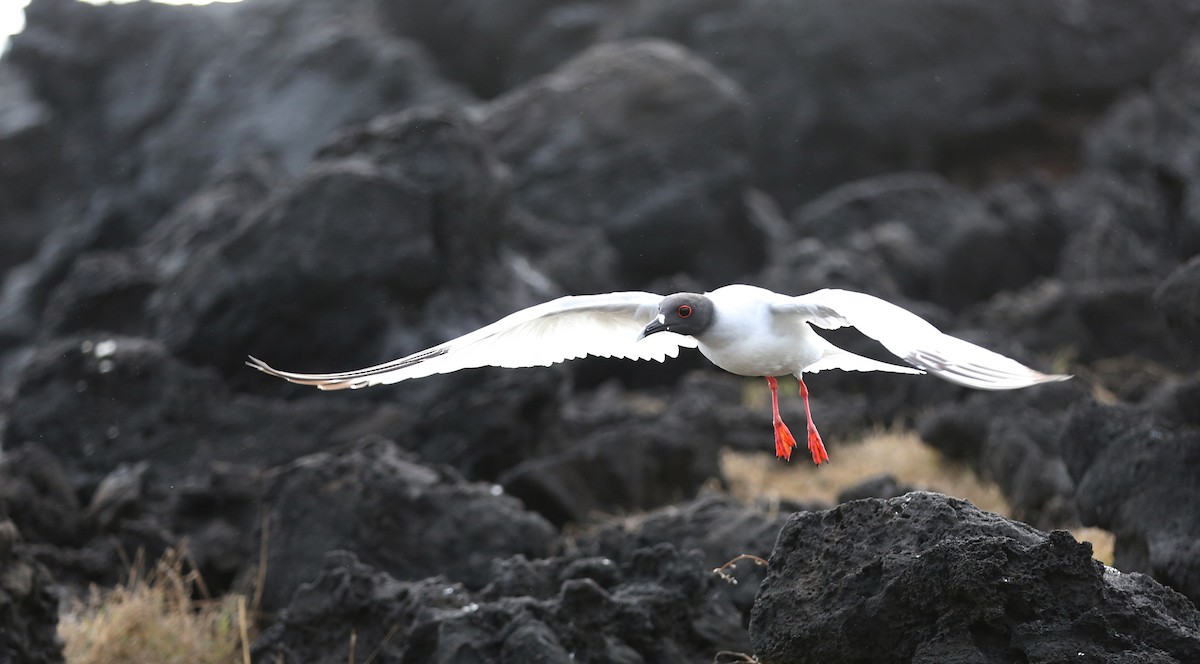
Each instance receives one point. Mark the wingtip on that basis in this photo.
(1042, 378)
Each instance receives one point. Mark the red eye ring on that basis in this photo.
(684, 311)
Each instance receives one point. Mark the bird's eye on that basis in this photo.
(684, 311)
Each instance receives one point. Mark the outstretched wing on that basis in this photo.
(564, 329)
(914, 340)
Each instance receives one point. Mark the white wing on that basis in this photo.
(564, 329)
(837, 358)
(914, 340)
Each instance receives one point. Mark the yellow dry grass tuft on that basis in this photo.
(759, 476)
(1103, 542)
(154, 618)
(902, 454)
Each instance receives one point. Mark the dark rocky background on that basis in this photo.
(327, 185)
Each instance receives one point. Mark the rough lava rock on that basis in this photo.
(489, 47)
(204, 309)
(135, 106)
(879, 486)
(1118, 228)
(620, 454)
(103, 292)
(642, 140)
(655, 604)
(1178, 298)
(37, 491)
(1090, 320)
(159, 95)
(1132, 476)
(717, 526)
(1012, 438)
(27, 165)
(302, 181)
(1150, 139)
(28, 606)
(938, 242)
(96, 403)
(410, 520)
(927, 578)
(417, 200)
(863, 89)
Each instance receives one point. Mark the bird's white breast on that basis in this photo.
(747, 339)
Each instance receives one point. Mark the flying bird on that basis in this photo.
(745, 330)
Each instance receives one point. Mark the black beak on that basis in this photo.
(654, 326)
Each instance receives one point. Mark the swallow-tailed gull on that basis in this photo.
(745, 330)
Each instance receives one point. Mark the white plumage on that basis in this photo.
(745, 330)
(568, 328)
(608, 325)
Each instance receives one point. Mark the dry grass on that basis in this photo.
(1102, 542)
(901, 454)
(154, 617)
(758, 475)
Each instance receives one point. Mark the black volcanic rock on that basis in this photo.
(491, 47)
(1150, 138)
(644, 141)
(28, 607)
(1133, 479)
(37, 490)
(241, 294)
(159, 96)
(621, 454)
(1178, 299)
(296, 179)
(481, 423)
(211, 212)
(95, 403)
(923, 577)
(388, 215)
(847, 90)
(1120, 225)
(27, 165)
(1012, 438)
(27, 287)
(879, 486)
(76, 285)
(118, 114)
(656, 604)
(938, 242)
(1174, 401)
(1091, 319)
(717, 526)
(103, 292)
(810, 264)
(410, 520)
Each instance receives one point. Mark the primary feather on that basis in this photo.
(914, 340)
(568, 328)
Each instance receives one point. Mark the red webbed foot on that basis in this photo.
(784, 441)
(816, 448)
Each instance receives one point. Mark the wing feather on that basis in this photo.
(914, 340)
(568, 328)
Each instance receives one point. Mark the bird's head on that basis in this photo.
(682, 313)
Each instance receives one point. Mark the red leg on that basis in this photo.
(784, 442)
(815, 446)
